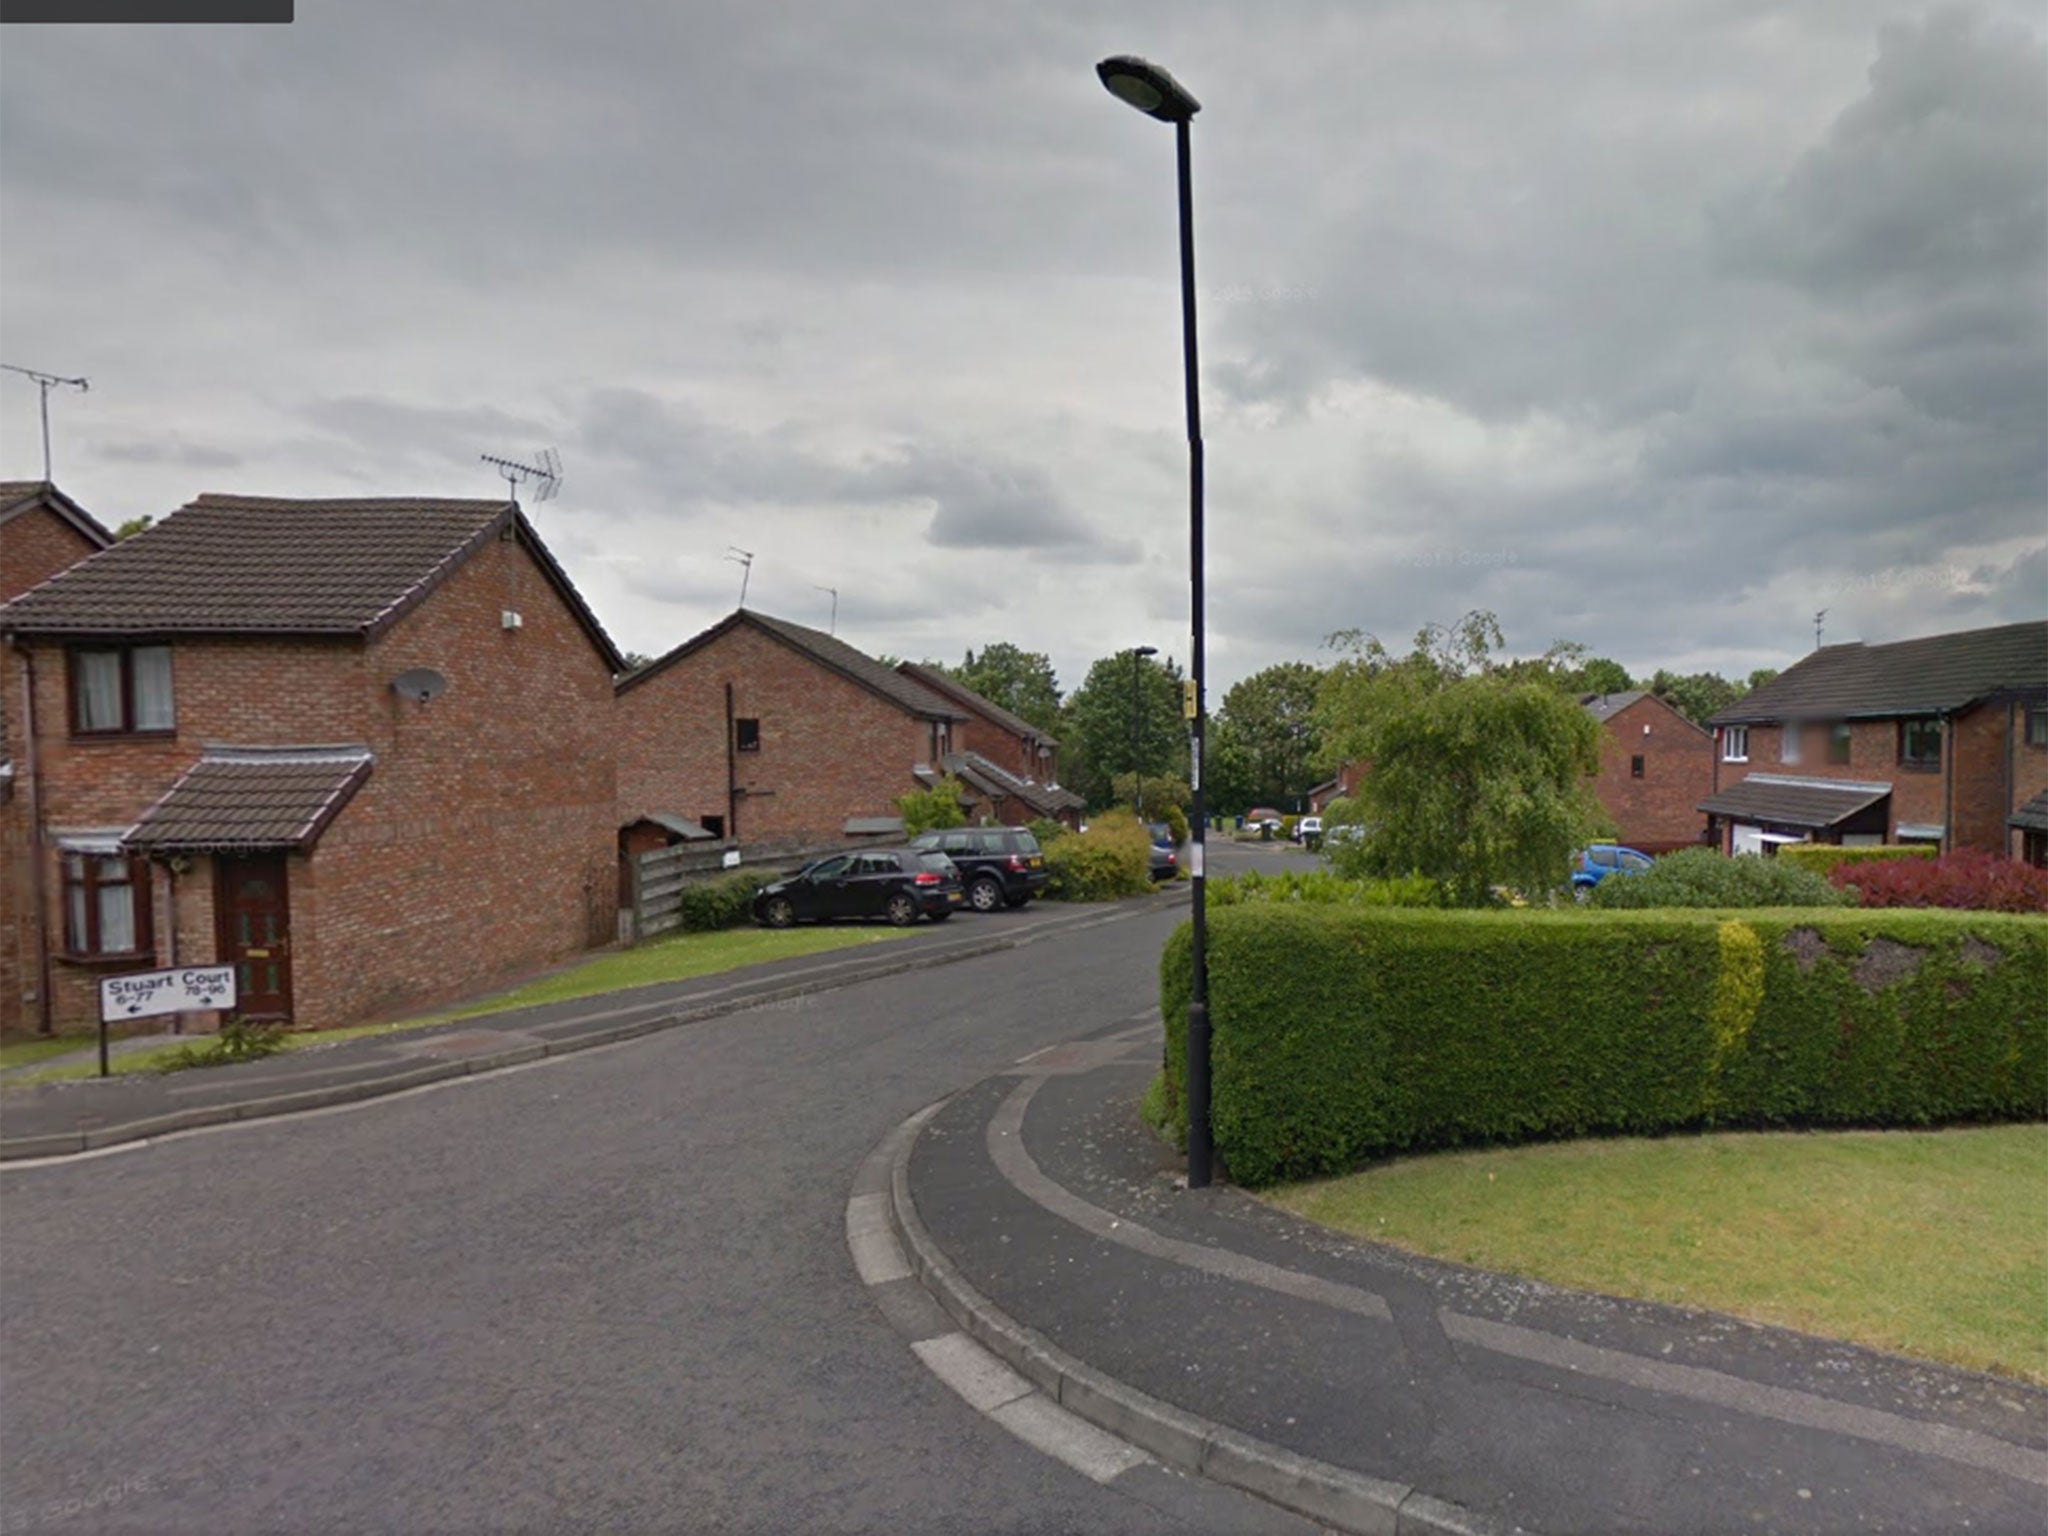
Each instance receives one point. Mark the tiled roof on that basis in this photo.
(2033, 815)
(1794, 802)
(1605, 706)
(978, 773)
(263, 565)
(952, 688)
(19, 496)
(828, 651)
(238, 798)
(1905, 677)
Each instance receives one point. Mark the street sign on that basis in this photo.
(140, 994)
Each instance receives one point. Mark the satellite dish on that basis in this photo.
(421, 683)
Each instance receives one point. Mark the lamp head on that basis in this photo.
(1148, 88)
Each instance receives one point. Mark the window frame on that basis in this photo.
(90, 883)
(1791, 743)
(1636, 765)
(73, 674)
(1732, 738)
(1915, 725)
(1841, 740)
(746, 733)
(2034, 731)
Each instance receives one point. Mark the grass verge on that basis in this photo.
(681, 958)
(1927, 1243)
(26, 1053)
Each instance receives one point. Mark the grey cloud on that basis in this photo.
(179, 455)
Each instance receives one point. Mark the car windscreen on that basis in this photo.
(936, 862)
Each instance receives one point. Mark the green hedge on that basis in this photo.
(1822, 857)
(1112, 858)
(723, 902)
(1344, 1033)
(1702, 877)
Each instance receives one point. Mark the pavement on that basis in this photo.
(1370, 1390)
(78, 1115)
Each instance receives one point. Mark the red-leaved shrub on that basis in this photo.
(1979, 882)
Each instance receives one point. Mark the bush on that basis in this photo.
(1176, 823)
(724, 902)
(1822, 857)
(1323, 887)
(927, 810)
(1047, 831)
(1342, 1033)
(1700, 877)
(1112, 858)
(1974, 881)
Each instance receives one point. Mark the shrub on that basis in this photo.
(237, 1041)
(1325, 888)
(1822, 857)
(1112, 858)
(1343, 1033)
(1975, 881)
(1176, 823)
(725, 901)
(1700, 877)
(926, 810)
(1047, 831)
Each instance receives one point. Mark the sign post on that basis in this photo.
(145, 994)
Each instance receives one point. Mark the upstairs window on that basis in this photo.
(121, 691)
(747, 735)
(1734, 743)
(1920, 743)
(1635, 767)
(1838, 746)
(1789, 743)
(2037, 725)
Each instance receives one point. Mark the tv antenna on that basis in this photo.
(544, 474)
(835, 606)
(744, 559)
(45, 382)
(1816, 627)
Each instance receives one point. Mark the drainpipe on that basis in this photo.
(732, 773)
(2006, 806)
(37, 874)
(1948, 783)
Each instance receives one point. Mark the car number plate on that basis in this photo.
(954, 897)
(1036, 861)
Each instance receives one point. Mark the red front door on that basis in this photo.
(253, 907)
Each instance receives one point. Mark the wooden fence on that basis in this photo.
(658, 878)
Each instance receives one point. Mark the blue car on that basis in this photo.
(1599, 860)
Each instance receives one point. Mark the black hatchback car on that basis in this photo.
(901, 884)
(1000, 866)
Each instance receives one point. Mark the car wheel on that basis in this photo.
(902, 911)
(985, 895)
(778, 913)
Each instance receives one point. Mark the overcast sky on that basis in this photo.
(1655, 326)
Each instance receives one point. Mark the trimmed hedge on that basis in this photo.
(1822, 857)
(1970, 880)
(1701, 877)
(726, 901)
(1324, 887)
(1112, 858)
(1343, 1033)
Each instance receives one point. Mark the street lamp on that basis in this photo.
(1137, 761)
(1157, 94)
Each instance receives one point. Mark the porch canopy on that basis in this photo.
(249, 799)
(1814, 804)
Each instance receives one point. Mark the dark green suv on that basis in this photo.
(1000, 866)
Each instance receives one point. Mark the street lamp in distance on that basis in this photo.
(1154, 92)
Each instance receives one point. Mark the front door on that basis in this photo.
(253, 915)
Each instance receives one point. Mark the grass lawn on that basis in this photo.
(1929, 1243)
(23, 1053)
(681, 958)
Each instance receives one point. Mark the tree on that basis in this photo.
(1160, 792)
(1480, 768)
(1600, 675)
(1761, 676)
(1097, 735)
(1269, 718)
(635, 660)
(1021, 681)
(134, 525)
(1696, 696)
(927, 810)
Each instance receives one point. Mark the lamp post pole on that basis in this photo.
(1157, 94)
(1137, 759)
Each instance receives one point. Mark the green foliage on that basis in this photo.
(1112, 858)
(1021, 681)
(1696, 695)
(135, 525)
(1269, 726)
(1701, 877)
(1323, 887)
(932, 810)
(1160, 791)
(1344, 1032)
(1822, 857)
(724, 901)
(1098, 735)
(1156, 1110)
(1601, 675)
(1176, 823)
(1480, 768)
(1047, 831)
(237, 1041)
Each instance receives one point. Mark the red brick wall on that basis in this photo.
(829, 748)
(482, 845)
(34, 547)
(1661, 809)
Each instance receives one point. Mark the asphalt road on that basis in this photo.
(608, 1292)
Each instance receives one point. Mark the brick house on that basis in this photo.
(360, 749)
(42, 532)
(1341, 786)
(760, 730)
(1940, 740)
(1655, 764)
(1010, 765)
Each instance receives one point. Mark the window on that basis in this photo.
(2037, 725)
(747, 735)
(832, 869)
(2034, 848)
(1735, 744)
(1789, 742)
(715, 825)
(1838, 745)
(1920, 743)
(106, 904)
(121, 690)
(1635, 766)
